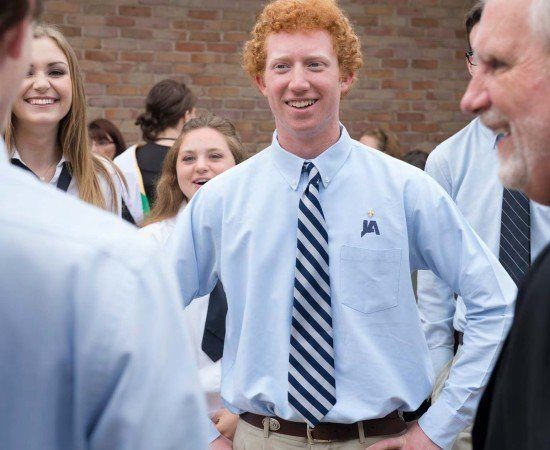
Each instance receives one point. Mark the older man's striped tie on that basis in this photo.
(515, 234)
(312, 388)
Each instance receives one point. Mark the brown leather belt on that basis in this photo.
(393, 423)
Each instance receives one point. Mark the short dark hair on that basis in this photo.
(103, 128)
(416, 158)
(166, 103)
(14, 11)
(473, 16)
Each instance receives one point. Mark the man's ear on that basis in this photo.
(260, 83)
(13, 41)
(345, 83)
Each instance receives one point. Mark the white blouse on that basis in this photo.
(195, 318)
(73, 185)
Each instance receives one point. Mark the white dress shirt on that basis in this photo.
(93, 351)
(466, 166)
(127, 163)
(241, 228)
(73, 185)
(210, 372)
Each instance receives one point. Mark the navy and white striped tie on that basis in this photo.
(515, 234)
(312, 388)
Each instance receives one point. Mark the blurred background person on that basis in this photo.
(416, 158)
(168, 106)
(106, 138)
(384, 140)
(107, 141)
(207, 147)
(47, 134)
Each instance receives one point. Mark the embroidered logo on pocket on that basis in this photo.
(370, 226)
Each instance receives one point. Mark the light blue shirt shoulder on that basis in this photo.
(466, 166)
(385, 219)
(85, 308)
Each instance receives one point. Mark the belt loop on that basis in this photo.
(310, 439)
(361, 429)
(265, 422)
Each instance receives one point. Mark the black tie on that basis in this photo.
(515, 233)
(19, 163)
(214, 328)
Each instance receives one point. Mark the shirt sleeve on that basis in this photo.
(441, 240)
(193, 249)
(436, 301)
(436, 304)
(136, 381)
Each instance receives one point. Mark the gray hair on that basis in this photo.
(539, 19)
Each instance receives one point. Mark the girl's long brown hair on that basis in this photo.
(169, 196)
(72, 134)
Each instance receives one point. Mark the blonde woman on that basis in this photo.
(207, 147)
(47, 132)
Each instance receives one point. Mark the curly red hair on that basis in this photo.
(303, 15)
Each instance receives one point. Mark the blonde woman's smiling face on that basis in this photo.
(45, 96)
(203, 155)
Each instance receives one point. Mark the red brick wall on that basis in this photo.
(412, 80)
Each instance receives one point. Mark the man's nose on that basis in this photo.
(299, 81)
(476, 98)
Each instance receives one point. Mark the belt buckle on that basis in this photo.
(311, 439)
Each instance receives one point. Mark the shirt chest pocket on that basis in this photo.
(369, 278)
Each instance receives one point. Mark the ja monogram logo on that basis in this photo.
(370, 226)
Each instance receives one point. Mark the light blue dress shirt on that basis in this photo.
(241, 228)
(466, 166)
(93, 351)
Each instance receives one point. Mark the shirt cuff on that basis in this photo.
(442, 425)
(213, 432)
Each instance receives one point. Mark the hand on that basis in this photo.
(226, 422)
(413, 439)
(221, 443)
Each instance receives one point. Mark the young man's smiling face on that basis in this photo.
(303, 84)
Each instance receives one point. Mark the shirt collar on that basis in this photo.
(16, 155)
(327, 163)
(3, 152)
(489, 134)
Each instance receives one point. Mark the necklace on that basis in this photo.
(43, 176)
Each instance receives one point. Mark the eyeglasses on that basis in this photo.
(470, 57)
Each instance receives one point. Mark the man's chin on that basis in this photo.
(512, 172)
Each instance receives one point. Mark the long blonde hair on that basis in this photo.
(169, 197)
(72, 135)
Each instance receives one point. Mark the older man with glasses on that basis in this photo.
(511, 91)
(514, 228)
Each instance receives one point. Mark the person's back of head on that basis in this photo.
(416, 158)
(168, 103)
(15, 21)
(384, 140)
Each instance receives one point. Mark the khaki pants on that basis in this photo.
(464, 439)
(249, 437)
